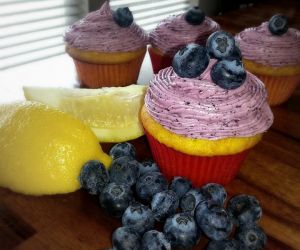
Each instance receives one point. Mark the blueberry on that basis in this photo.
(235, 54)
(154, 240)
(220, 45)
(123, 17)
(149, 184)
(122, 149)
(115, 198)
(138, 217)
(194, 16)
(181, 230)
(251, 237)
(213, 220)
(190, 61)
(244, 209)
(228, 74)
(164, 204)
(223, 245)
(191, 199)
(124, 238)
(180, 186)
(278, 24)
(216, 191)
(148, 166)
(93, 177)
(124, 170)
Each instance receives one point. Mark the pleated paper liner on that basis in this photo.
(159, 61)
(279, 88)
(200, 170)
(108, 75)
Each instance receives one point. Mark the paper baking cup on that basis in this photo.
(159, 61)
(108, 75)
(200, 170)
(279, 88)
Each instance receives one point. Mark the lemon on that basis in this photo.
(43, 149)
(112, 113)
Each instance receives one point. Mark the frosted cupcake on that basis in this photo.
(272, 52)
(108, 48)
(201, 125)
(175, 32)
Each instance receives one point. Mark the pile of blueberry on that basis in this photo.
(140, 195)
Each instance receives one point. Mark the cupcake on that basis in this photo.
(202, 116)
(271, 51)
(173, 33)
(108, 48)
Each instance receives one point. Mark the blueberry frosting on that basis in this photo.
(260, 45)
(173, 33)
(198, 108)
(99, 32)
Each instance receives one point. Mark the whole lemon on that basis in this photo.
(42, 150)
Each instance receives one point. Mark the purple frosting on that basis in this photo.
(99, 32)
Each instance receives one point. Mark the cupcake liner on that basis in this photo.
(279, 88)
(159, 61)
(108, 75)
(199, 169)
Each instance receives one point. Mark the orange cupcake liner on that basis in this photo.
(279, 88)
(108, 75)
(159, 61)
(199, 169)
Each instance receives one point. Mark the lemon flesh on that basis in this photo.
(112, 113)
(42, 150)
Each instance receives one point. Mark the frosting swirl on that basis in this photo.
(99, 32)
(173, 33)
(260, 45)
(198, 108)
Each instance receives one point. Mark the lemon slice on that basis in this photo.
(112, 113)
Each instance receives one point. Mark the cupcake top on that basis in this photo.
(99, 31)
(198, 108)
(175, 32)
(260, 45)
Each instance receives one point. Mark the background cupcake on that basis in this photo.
(175, 32)
(202, 128)
(107, 47)
(272, 52)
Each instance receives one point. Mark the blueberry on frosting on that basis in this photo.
(278, 24)
(123, 17)
(190, 61)
(195, 16)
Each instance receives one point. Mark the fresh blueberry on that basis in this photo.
(181, 230)
(251, 237)
(122, 149)
(124, 170)
(278, 24)
(180, 185)
(244, 209)
(213, 220)
(115, 198)
(236, 54)
(148, 166)
(224, 245)
(216, 192)
(228, 74)
(149, 184)
(154, 240)
(194, 16)
(138, 217)
(93, 177)
(123, 17)
(164, 204)
(220, 45)
(190, 61)
(124, 238)
(191, 199)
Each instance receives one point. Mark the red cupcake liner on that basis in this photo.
(199, 169)
(159, 61)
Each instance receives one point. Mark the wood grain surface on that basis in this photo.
(271, 173)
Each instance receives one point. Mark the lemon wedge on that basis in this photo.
(112, 113)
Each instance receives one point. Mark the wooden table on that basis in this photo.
(271, 173)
